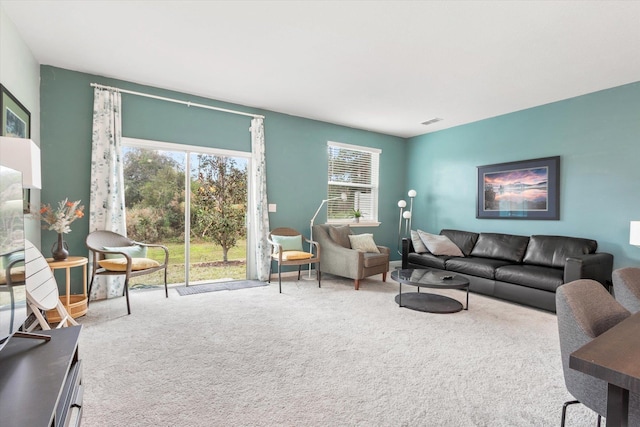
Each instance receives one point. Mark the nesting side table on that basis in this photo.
(75, 304)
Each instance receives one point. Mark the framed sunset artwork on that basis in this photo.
(528, 189)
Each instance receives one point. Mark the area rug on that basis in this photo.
(222, 286)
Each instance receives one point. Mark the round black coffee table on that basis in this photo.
(434, 279)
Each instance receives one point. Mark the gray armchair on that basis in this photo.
(586, 310)
(626, 287)
(340, 260)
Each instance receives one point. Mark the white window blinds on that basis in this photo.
(353, 170)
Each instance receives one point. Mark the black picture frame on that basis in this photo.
(16, 119)
(528, 189)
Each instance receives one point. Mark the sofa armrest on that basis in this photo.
(598, 266)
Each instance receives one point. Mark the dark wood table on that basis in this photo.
(615, 358)
(434, 279)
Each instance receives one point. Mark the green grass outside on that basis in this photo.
(205, 264)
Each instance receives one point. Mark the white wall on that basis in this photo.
(20, 74)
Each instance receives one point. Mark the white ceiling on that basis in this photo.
(384, 66)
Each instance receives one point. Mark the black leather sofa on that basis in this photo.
(522, 269)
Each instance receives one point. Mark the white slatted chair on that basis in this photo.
(42, 289)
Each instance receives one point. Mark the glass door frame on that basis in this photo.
(188, 150)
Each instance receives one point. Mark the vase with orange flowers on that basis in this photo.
(59, 220)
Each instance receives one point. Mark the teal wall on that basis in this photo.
(296, 152)
(597, 137)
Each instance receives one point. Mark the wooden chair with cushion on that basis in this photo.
(287, 249)
(117, 255)
(42, 290)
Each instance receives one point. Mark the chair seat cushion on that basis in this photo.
(120, 264)
(17, 275)
(374, 260)
(293, 255)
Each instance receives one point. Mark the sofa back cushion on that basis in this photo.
(465, 240)
(553, 251)
(507, 247)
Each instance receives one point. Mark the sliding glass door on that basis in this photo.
(192, 200)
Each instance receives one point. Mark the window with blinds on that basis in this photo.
(353, 170)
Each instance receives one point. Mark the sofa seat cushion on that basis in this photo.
(507, 247)
(532, 276)
(553, 251)
(475, 266)
(374, 260)
(428, 260)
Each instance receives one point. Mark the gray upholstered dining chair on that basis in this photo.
(626, 287)
(586, 310)
(117, 255)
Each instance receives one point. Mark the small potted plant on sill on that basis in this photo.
(357, 214)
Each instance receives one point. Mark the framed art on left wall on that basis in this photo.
(16, 119)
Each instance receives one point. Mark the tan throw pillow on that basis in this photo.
(418, 246)
(292, 255)
(363, 243)
(120, 264)
(439, 245)
(340, 234)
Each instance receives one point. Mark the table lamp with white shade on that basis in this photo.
(634, 233)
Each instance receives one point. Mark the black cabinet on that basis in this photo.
(41, 381)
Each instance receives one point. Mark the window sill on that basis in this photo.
(354, 224)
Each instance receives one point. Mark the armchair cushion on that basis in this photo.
(288, 243)
(340, 234)
(135, 251)
(120, 264)
(291, 255)
(363, 243)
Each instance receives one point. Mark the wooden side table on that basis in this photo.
(76, 304)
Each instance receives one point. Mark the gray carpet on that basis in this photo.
(329, 356)
(221, 286)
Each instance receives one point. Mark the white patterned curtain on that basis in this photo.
(106, 206)
(260, 214)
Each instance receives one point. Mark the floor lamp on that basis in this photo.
(406, 215)
(342, 197)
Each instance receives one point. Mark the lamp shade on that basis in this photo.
(23, 155)
(402, 204)
(412, 193)
(634, 233)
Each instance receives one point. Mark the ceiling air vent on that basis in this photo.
(431, 121)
